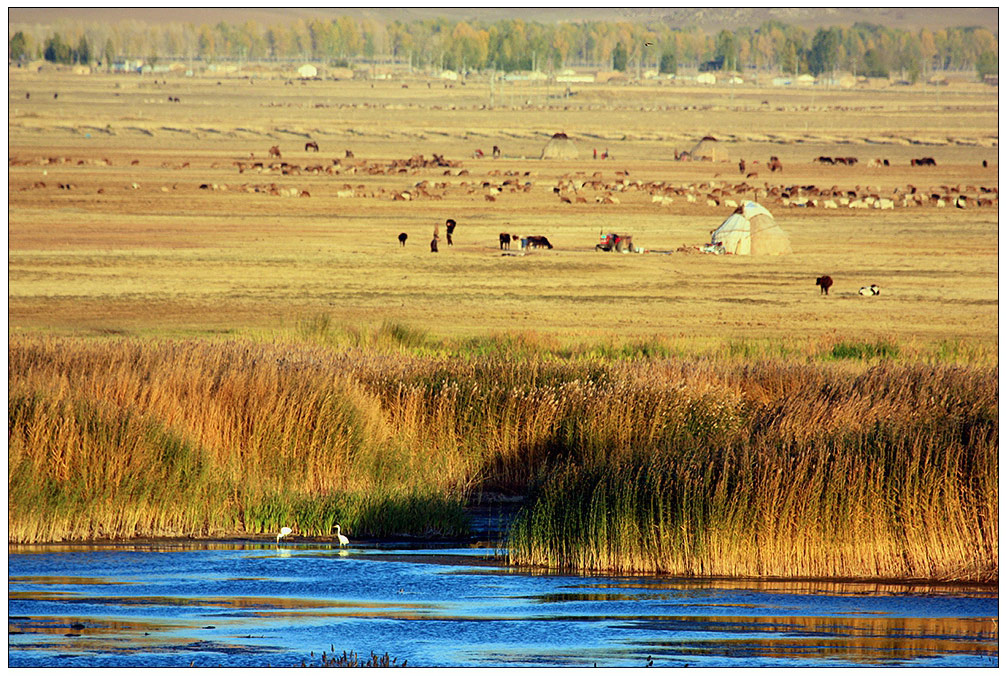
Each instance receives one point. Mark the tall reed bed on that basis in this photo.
(771, 466)
(791, 471)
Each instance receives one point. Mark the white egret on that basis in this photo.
(283, 531)
(343, 540)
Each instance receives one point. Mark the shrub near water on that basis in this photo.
(704, 465)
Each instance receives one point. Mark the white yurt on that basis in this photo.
(750, 231)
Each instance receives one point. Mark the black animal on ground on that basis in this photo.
(311, 145)
(451, 224)
(538, 241)
(825, 284)
(504, 240)
(924, 162)
(402, 236)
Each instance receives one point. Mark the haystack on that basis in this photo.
(710, 150)
(559, 147)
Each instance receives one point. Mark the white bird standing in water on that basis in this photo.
(343, 540)
(283, 531)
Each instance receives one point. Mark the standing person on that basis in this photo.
(451, 224)
(595, 153)
(433, 243)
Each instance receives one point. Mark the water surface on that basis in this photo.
(256, 604)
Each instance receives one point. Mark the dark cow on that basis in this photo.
(402, 236)
(825, 284)
(504, 240)
(824, 160)
(924, 162)
(274, 152)
(311, 145)
(538, 241)
(451, 224)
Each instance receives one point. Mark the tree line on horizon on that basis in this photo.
(516, 45)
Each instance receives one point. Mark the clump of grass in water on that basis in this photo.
(352, 660)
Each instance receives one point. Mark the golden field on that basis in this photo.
(135, 246)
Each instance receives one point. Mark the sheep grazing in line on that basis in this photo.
(872, 290)
(825, 284)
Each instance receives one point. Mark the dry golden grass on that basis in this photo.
(170, 258)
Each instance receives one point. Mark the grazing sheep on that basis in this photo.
(825, 283)
(872, 290)
(402, 237)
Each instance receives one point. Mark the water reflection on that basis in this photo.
(257, 604)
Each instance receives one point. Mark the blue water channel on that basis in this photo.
(259, 604)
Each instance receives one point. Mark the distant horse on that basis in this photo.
(311, 145)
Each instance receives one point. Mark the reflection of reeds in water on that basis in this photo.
(869, 640)
(691, 466)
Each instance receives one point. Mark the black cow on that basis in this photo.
(402, 237)
(825, 284)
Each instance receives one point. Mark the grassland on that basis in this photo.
(236, 360)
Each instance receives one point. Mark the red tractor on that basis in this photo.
(613, 242)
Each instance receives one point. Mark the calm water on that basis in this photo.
(253, 604)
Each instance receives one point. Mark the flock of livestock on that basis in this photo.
(579, 187)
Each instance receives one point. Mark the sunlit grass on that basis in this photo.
(661, 455)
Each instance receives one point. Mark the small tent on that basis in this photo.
(710, 150)
(559, 147)
(750, 230)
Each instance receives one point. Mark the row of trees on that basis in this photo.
(509, 45)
